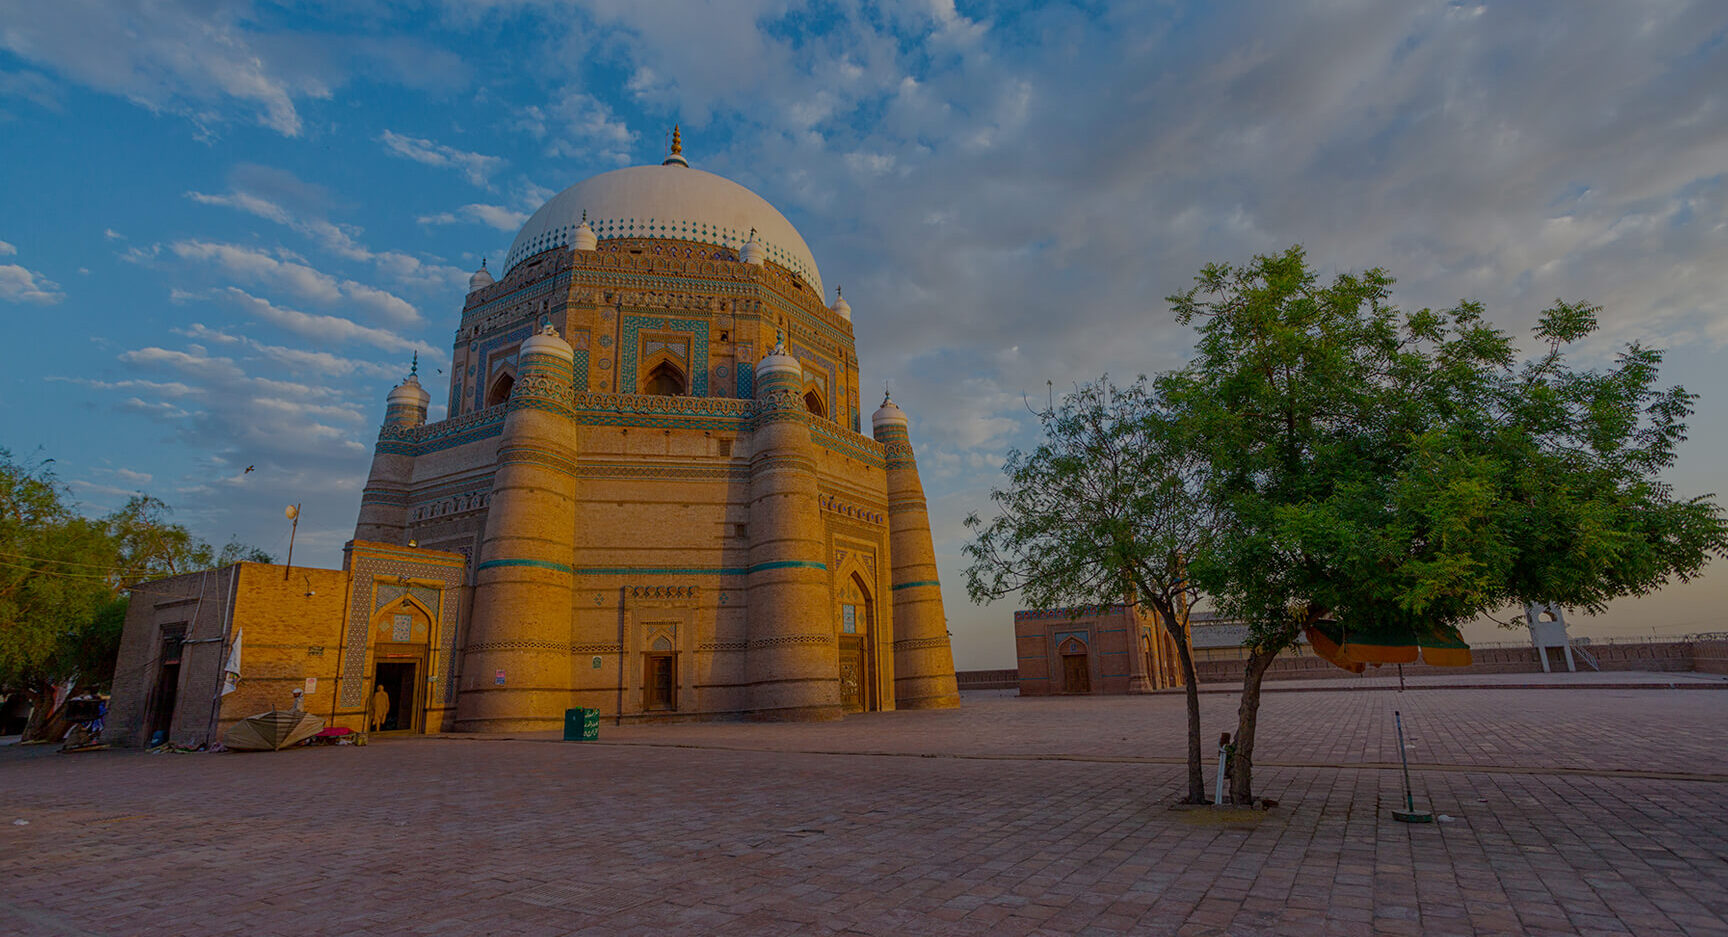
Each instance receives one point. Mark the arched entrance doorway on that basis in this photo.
(401, 637)
(857, 635)
(1076, 670)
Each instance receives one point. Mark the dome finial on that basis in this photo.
(676, 157)
(414, 369)
(481, 279)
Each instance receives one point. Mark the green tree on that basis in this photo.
(1104, 510)
(237, 552)
(148, 545)
(1380, 478)
(63, 579)
(53, 566)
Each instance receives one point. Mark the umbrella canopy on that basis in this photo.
(271, 731)
(1353, 646)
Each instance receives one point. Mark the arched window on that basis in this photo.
(500, 389)
(813, 403)
(664, 381)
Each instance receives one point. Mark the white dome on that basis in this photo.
(889, 412)
(778, 361)
(547, 341)
(671, 201)
(481, 279)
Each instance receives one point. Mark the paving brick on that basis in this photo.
(1010, 816)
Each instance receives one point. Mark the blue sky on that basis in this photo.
(225, 227)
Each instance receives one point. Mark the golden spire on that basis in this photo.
(676, 157)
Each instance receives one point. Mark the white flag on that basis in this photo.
(231, 670)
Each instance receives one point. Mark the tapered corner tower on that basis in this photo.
(923, 655)
(384, 502)
(516, 673)
(793, 654)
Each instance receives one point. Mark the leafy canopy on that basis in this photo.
(1400, 473)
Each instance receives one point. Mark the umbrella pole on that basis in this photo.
(1409, 814)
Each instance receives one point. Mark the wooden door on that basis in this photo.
(852, 673)
(660, 682)
(1076, 677)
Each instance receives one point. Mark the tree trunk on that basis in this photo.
(1242, 760)
(1196, 775)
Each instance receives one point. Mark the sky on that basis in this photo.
(225, 227)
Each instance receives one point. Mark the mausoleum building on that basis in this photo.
(653, 484)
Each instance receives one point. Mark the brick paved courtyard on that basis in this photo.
(1574, 811)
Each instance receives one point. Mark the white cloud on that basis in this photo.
(298, 359)
(477, 167)
(332, 329)
(385, 305)
(257, 266)
(578, 125)
(6, 249)
(159, 388)
(189, 60)
(493, 216)
(260, 267)
(342, 240)
(19, 285)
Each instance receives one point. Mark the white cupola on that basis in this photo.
(481, 279)
(583, 239)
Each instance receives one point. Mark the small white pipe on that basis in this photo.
(1218, 798)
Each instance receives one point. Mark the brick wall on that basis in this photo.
(288, 636)
(1660, 657)
(987, 679)
(1710, 657)
(197, 604)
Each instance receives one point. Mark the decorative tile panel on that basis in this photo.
(628, 347)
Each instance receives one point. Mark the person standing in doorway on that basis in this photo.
(380, 707)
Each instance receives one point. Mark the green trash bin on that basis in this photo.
(581, 725)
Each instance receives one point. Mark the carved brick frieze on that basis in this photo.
(558, 646)
(687, 593)
(849, 510)
(555, 388)
(793, 640)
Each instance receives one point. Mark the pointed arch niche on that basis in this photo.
(813, 401)
(500, 389)
(858, 635)
(665, 365)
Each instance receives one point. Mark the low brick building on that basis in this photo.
(294, 626)
(1105, 649)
